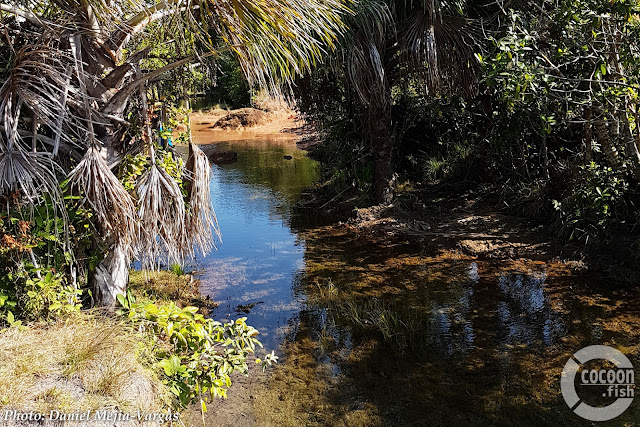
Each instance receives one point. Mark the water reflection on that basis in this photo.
(451, 326)
(380, 330)
(525, 314)
(251, 274)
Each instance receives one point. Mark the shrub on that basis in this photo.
(590, 209)
(197, 355)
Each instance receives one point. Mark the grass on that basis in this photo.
(89, 362)
(402, 328)
(172, 285)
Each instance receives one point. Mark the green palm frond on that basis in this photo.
(440, 51)
(362, 50)
(426, 40)
(274, 39)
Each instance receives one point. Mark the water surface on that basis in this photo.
(381, 332)
(251, 273)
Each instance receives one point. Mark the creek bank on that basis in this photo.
(472, 221)
(241, 118)
(167, 286)
(218, 125)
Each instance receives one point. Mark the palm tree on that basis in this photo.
(425, 41)
(72, 73)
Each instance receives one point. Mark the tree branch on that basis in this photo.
(120, 37)
(117, 103)
(31, 17)
(117, 75)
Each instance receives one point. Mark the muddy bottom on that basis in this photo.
(379, 328)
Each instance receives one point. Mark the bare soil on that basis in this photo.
(468, 221)
(213, 126)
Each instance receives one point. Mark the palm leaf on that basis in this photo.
(32, 174)
(162, 215)
(439, 49)
(201, 222)
(105, 195)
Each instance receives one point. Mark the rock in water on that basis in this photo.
(223, 157)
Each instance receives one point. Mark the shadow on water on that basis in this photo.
(439, 339)
(380, 333)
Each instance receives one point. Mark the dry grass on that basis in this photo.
(90, 363)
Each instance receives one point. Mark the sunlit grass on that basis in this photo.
(90, 363)
(174, 285)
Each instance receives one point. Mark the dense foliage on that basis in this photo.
(540, 102)
(88, 86)
(89, 180)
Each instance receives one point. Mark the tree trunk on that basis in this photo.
(383, 152)
(111, 276)
(610, 151)
(544, 153)
(588, 148)
(629, 143)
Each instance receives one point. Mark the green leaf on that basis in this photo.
(122, 300)
(190, 309)
(171, 365)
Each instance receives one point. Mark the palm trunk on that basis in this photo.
(111, 276)
(383, 152)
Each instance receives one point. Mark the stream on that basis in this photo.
(252, 272)
(383, 333)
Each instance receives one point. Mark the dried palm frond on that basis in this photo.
(39, 82)
(113, 207)
(32, 174)
(201, 222)
(162, 216)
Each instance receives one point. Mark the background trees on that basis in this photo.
(537, 99)
(393, 49)
(75, 119)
